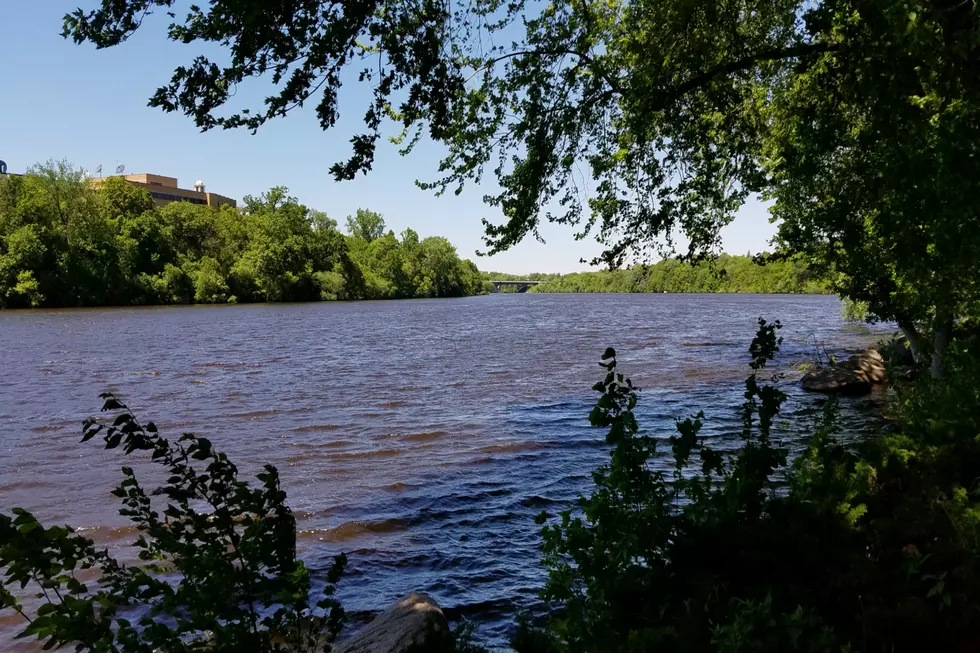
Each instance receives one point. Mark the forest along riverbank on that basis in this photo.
(419, 437)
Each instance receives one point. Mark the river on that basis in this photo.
(421, 437)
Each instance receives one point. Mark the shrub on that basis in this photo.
(28, 289)
(217, 572)
(855, 312)
(331, 285)
(209, 283)
(865, 544)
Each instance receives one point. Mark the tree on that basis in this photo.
(875, 163)
(572, 89)
(285, 252)
(52, 225)
(322, 222)
(366, 225)
(440, 259)
(676, 110)
(119, 198)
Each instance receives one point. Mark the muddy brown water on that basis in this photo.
(421, 437)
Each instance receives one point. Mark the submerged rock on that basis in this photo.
(855, 376)
(415, 624)
(835, 380)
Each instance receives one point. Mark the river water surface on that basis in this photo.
(421, 437)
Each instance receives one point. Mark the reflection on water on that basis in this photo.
(421, 437)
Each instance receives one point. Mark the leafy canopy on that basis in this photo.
(642, 120)
(667, 126)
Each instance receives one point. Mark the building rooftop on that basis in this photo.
(165, 190)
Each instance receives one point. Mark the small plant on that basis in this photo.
(855, 312)
(218, 568)
(815, 355)
(629, 565)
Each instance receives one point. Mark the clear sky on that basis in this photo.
(62, 101)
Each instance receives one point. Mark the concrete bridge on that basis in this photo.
(522, 285)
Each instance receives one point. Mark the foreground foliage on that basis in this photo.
(65, 244)
(217, 564)
(869, 545)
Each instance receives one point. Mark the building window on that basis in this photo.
(167, 197)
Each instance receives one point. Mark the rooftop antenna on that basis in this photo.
(120, 169)
(98, 170)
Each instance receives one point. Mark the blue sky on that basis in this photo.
(62, 101)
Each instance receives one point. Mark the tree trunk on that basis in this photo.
(941, 335)
(912, 335)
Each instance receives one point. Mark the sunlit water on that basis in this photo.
(421, 437)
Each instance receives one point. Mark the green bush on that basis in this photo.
(853, 311)
(217, 561)
(209, 282)
(866, 545)
(331, 285)
(27, 289)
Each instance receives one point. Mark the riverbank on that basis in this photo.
(725, 274)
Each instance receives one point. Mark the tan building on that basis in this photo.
(164, 190)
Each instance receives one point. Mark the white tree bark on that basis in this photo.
(915, 340)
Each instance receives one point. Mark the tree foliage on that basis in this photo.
(366, 225)
(217, 564)
(873, 161)
(63, 243)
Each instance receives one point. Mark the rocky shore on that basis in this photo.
(858, 374)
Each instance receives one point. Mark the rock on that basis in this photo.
(836, 380)
(896, 351)
(415, 624)
(869, 363)
(855, 376)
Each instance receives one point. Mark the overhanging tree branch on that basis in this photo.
(772, 54)
(609, 79)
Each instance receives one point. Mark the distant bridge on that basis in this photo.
(523, 285)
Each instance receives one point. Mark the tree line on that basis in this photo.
(723, 274)
(64, 243)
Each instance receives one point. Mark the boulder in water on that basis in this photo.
(414, 624)
(855, 376)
